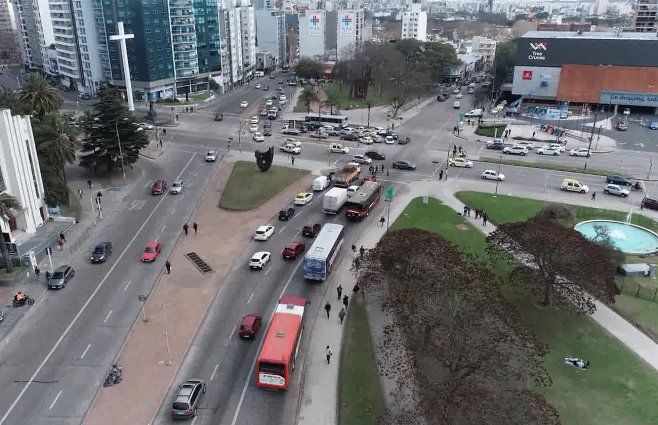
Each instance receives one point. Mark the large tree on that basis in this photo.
(42, 97)
(309, 69)
(504, 61)
(8, 204)
(307, 96)
(112, 137)
(57, 142)
(464, 344)
(556, 263)
(10, 99)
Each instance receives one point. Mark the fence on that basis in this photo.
(636, 289)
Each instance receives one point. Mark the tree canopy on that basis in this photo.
(504, 61)
(111, 133)
(309, 68)
(42, 97)
(556, 263)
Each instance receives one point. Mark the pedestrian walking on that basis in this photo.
(381, 222)
(484, 219)
(593, 196)
(465, 209)
(89, 183)
(61, 236)
(292, 159)
(346, 300)
(362, 250)
(47, 276)
(356, 288)
(327, 308)
(160, 142)
(341, 315)
(37, 272)
(195, 227)
(441, 174)
(533, 134)
(60, 243)
(176, 117)
(168, 266)
(164, 131)
(353, 248)
(328, 353)
(454, 150)
(79, 193)
(185, 228)
(339, 290)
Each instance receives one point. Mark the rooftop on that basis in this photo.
(592, 35)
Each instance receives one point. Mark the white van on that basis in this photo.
(320, 183)
(456, 105)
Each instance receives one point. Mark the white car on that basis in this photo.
(493, 175)
(548, 150)
(377, 138)
(258, 137)
(288, 148)
(145, 126)
(291, 131)
(338, 148)
(263, 233)
(580, 152)
(558, 146)
(615, 189)
(282, 98)
(303, 198)
(389, 140)
(259, 259)
(459, 96)
(367, 140)
(627, 111)
(211, 156)
(176, 187)
(456, 91)
(515, 150)
(269, 102)
(526, 144)
(361, 159)
(473, 113)
(291, 141)
(258, 86)
(253, 128)
(244, 104)
(254, 120)
(460, 162)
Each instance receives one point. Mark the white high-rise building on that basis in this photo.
(484, 47)
(248, 35)
(9, 42)
(312, 39)
(21, 174)
(237, 29)
(36, 35)
(414, 22)
(271, 34)
(350, 31)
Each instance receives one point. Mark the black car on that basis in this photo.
(219, 116)
(187, 399)
(285, 215)
(650, 203)
(61, 277)
(101, 252)
(267, 131)
(441, 98)
(403, 140)
(375, 155)
(404, 165)
(349, 136)
(617, 179)
(310, 231)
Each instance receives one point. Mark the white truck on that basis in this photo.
(334, 200)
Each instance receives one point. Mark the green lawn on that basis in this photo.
(617, 389)
(248, 187)
(550, 166)
(18, 271)
(342, 91)
(489, 130)
(361, 400)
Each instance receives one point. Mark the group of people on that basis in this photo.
(374, 169)
(458, 149)
(478, 213)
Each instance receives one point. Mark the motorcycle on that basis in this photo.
(114, 377)
(27, 300)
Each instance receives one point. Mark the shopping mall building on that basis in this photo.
(618, 69)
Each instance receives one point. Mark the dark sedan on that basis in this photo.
(375, 155)
(285, 215)
(60, 277)
(101, 252)
(404, 165)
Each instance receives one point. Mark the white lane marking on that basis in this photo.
(163, 227)
(214, 371)
(147, 184)
(55, 401)
(82, 356)
(172, 213)
(249, 300)
(281, 229)
(127, 285)
(260, 345)
(234, 328)
(83, 308)
(107, 317)
(295, 235)
(268, 270)
(194, 420)
(335, 217)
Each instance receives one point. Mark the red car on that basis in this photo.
(151, 252)
(159, 187)
(249, 325)
(292, 250)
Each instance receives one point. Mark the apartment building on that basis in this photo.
(351, 31)
(414, 22)
(484, 47)
(36, 36)
(9, 33)
(271, 34)
(646, 12)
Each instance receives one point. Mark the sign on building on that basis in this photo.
(315, 25)
(347, 24)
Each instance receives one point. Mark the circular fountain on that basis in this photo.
(628, 238)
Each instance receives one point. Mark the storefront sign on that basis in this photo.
(632, 99)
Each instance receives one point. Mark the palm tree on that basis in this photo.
(10, 99)
(7, 204)
(57, 140)
(307, 96)
(333, 100)
(42, 97)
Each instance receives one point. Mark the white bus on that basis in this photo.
(319, 259)
(322, 119)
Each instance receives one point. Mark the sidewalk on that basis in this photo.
(185, 295)
(319, 399)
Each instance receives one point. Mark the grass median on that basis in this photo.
(618, 387)
(490, 130)
(360, 397)
(551, 166)
(249, 188)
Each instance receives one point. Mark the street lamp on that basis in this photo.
(500, 158)
(240, 135)
(123, 170)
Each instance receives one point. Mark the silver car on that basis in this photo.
(187, 399)
(615, 189)
(176, 187)
(60, 277)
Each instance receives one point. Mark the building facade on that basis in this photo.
(21, 174)
(350, 32)
(484, 47)
(414, 22)
(36, 35)
(9, 33)
(646, 16)
(271, 34)
(312, 40)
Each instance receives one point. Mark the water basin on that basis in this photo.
(628, 238)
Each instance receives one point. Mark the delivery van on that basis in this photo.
(320, 183)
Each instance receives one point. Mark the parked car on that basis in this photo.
(187, 399)
(615, 189)
(617, 179)
(580, 152)
(258, 137)
(338, 148)
(573, 185)
(515, 150)
(61, 277)
(151, 251)
(349, 136)
(101, 252)
(375, 155)
(259, 259)
(244, 104)
(263, 233)
(404, 140)
(253, 128)
(460, 162)
(267, 131)
(473, 113)
(361, 159)
(495, 144)
(249, 326)
(389, 140)
(285, 215)
(176, 187)
(548, 150)
(254, 120)
(653, 125)
(319, 135)
(303, 198)
(404, 165)
(493, 175)
(367, 140)
(290, 131)
(311, 230)
(650, 203)
(211, 156)
(292, 250)
(159, 187)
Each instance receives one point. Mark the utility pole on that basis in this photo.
(123, 171)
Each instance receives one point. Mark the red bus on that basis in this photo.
(276, 360)
(360, 203)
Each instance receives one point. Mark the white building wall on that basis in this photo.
(248, 35)
(235, 43)
(414, 23)
(268, 33)
(312, 42)
(20, 171)
(350, 32)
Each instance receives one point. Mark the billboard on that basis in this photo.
(552, 52)
(534, 81)
(315, 24)
(630, 99)
(346, 24)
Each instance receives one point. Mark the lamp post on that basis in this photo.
(123, 170)
(500, 158)
(240, 136)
